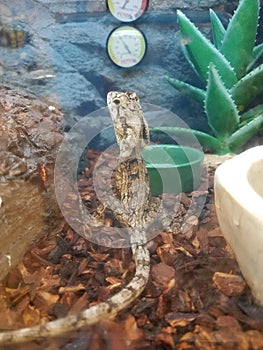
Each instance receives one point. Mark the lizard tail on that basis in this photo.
(92, 315)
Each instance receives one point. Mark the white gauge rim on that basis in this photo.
(143, 9)
(121, 28)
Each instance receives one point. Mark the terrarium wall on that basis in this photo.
(62, 54)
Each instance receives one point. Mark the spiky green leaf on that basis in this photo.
(240, 36)
(201, 52)
(218, 29)
(252, 113)
(187, 89)
(220, 108)
(256, 54)
(244, 134)
(189, 58)
(247, 88)
(208, 142)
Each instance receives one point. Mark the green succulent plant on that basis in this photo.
(227, 69)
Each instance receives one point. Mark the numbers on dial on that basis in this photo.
(127, 10)
(126, 46)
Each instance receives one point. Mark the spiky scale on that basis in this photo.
(201, 52)
(221, 110)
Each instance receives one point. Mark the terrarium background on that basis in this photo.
(65, 58)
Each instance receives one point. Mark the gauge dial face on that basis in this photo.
(127, 10)
(126, 46)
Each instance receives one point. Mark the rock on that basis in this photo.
(188, 4)
(65, 58)
(30, 134)
(66, 61)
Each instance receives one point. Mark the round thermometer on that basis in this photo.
(126, 46)
(127, 10)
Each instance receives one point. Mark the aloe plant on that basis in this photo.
(226, 66)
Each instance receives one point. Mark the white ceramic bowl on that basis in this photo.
(239, 207)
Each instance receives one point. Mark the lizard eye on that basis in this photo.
(116, 101)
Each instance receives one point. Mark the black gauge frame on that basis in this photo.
(145, 41)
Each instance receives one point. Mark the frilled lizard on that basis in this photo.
(132, 186)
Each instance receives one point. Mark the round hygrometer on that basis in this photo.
(126, 46)
(127, 10)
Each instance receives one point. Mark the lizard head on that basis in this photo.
(120, 101)
(130, 126)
